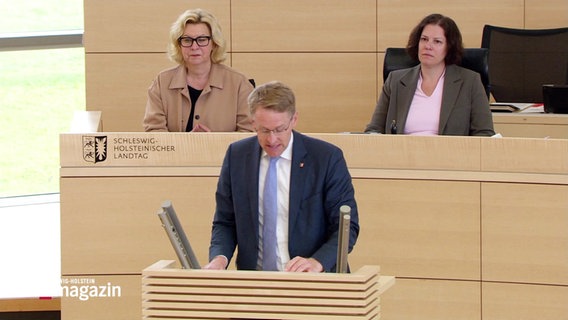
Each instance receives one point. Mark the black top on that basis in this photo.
(193, 95)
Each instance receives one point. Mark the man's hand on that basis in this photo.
(301, 264)
(218, 263)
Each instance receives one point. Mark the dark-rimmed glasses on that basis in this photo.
(187, 42)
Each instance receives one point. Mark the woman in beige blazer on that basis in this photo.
(436, 97)
(200, 94)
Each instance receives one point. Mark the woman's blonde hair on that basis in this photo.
(218, 54)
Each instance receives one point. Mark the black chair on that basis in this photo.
(522, 60)
(475, 59)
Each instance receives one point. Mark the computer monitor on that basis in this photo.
(177, 236)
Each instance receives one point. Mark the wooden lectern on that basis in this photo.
(228, 294)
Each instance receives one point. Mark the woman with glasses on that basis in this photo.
(436, 97)
(199, 94)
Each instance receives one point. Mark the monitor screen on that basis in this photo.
(177, 236)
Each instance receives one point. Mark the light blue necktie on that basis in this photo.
(270, 207)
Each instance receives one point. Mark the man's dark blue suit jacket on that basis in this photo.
(320, 183)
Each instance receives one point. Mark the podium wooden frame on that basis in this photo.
(210, 294)
(470, 227)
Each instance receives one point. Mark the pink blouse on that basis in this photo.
(424, 114)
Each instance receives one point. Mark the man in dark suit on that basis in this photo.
(312, 182)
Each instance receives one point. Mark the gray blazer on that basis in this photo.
(465, 108)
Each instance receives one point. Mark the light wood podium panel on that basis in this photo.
(121, 303)
(545, 158)
(524, 233)
(403, 214)
(123, 223)
(424, 205)
(168, 291)
(513, 301)
(414, 233)
(418, 299)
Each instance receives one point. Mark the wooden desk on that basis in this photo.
(531, 125)
(449, 217)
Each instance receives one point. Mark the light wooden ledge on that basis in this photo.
(193, 294)
(356, 173)
(30, 304)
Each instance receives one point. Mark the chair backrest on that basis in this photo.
(476, 59)
(396, 58)
(522, 60)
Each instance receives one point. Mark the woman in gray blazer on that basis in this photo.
(436, 97)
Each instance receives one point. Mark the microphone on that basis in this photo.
(393, 127)
(343, 239)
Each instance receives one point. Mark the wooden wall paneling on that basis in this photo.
(118, 86)
(524, 236)
(335, 92)
(385, 152)
(398, 18)
(124, 224)
(513, 301)
(141, 25)
(304, 26)
(380, 82)
(126, 306)
(419, 229)
(432, 299)
(544, 14)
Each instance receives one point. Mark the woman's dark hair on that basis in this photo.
(453, 38)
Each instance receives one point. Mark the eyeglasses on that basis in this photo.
(187, 42)
(277, 132)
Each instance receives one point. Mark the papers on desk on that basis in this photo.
(534, 108)
(516, 107)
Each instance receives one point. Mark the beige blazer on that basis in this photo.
(222, 105)
(464, 112)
